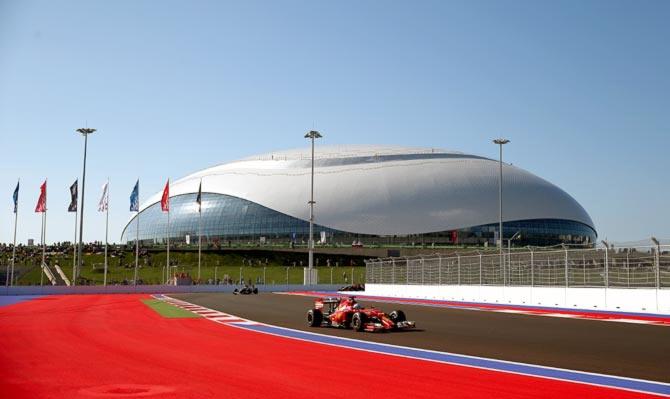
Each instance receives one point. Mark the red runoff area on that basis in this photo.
(114, 346)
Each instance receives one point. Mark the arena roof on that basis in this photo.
(386, 190)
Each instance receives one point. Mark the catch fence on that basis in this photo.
(640, 267)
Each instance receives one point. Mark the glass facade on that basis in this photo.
(227, 219)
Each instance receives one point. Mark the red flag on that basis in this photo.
(42, 201)
(165, 200)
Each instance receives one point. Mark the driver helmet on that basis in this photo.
(357, 305)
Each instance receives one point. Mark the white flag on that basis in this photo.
(104, 201)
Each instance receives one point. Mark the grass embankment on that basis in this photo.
(214, 266)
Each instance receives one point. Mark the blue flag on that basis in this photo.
(135, 198)
(16, 197)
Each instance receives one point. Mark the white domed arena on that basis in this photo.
(386, 195)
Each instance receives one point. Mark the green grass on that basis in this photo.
(213, 265)
(169, 311)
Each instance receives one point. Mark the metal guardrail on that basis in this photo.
(640, 267)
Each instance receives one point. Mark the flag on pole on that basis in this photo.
(104, 200)
(135, 198)
(16, 197)
(165, 200)
(73, 197)
(198, 199)
(42, 201)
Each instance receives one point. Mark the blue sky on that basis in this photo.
(581, 89)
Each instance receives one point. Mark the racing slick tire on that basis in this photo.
(314, 318)
(397, 316)
(358, 321)
(347, 321)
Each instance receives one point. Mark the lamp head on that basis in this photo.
(85, 130)
(501, 141)
(313, 134)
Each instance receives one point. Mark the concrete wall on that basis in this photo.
(149, 289)
(644, 300)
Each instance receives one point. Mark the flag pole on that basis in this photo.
(104, 279)
(44, 247)
(168, 228)
(200, 231)
(74, 252)
(42, 242)
(16, 219)
(137, 234)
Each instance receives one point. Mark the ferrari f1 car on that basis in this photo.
(348, 313)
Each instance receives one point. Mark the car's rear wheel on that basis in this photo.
(397, 316)
(358, 321)
(314, 318)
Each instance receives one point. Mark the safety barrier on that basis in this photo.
(623, 279)
(641, 267)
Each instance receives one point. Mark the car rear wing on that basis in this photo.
(320, 302)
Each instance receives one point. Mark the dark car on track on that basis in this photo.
(348, 313)
(247, 290)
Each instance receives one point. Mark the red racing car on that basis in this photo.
(348, 313)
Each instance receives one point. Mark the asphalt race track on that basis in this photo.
(623, 349)
(117, 346)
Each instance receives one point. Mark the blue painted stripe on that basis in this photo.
(486, 305)
(12, 299)
(470, 361)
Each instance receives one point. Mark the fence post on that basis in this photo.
(628, 269)
(331, 275)
(393, 271)
(422, 272)
(407, 269)
(382, 266)
(439, 270)
(567, 283)
(658, 270)
(287, 278)
(607, 271)
(502, 268)
(480, 268)
(532, 268)
(458, 274)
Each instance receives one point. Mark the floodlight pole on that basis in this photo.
(313, 134)
(85, 132)
(501, 142)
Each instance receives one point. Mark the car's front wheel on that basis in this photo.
(397, 316)
(358, 321)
